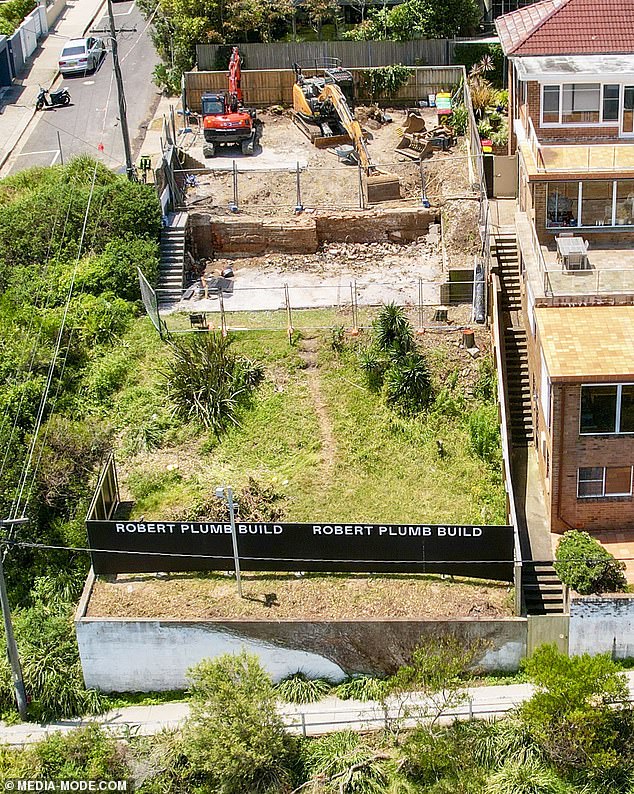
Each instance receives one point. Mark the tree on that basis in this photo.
(421, 19)
(434, 672)
(578, 715)
(584, 565)
(319, 11)
(234, 734)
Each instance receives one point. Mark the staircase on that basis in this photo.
(172, 264)
(542, 589)
(517, 381)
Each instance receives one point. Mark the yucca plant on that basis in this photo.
(407, 384)
(207, 382)
(361, 687)
(298, 688)
(393, 332)
(373, 363)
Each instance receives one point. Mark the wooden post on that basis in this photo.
(289, 315)
(468, 338)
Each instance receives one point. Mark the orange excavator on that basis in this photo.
(225, 119)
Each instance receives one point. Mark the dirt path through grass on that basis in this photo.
(308, 353)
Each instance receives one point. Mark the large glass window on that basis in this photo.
(611, 95)
(596, 203)
(593, 481)
(607, 409)
(580, 103)
(550, 107)
(562, 204)
(598, 409)
(625, 202)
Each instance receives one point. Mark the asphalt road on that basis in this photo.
(90, 124)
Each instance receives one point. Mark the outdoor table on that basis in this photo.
(571, 250)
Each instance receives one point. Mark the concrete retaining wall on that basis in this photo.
(240, 236)
(602, 624)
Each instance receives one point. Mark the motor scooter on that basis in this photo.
(51, 98)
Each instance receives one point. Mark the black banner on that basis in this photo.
(136, 547)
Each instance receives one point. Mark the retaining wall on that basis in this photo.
(153, 655)
(303, 235)
(602, 624)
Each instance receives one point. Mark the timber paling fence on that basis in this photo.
(352, 54)
(265, 87)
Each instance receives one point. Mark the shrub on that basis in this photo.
(407, 384)
(524, 777)
(459, 120)
(235, 736)
(361, 687)
(373, 364)
(12, 13)
(584, 565)
(332, 756)
(484, 434)
(208, 383)
(392, 331)
(298, 688)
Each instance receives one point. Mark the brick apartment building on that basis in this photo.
(571, 113)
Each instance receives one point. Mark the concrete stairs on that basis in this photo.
(542, 589)
(172, 260)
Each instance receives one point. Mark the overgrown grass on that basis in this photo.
(381, 466)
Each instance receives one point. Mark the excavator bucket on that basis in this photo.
(413, 123)
(382, 187)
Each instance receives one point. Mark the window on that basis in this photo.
(607, 409)
(596, 203)
(625, 202)
(611, 96)
(562, 204)
(580, 103)
(597, 481)
(550, 104)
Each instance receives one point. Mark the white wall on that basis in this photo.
(600, 624)
(152, 655)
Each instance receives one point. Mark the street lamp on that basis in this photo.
(225, 493)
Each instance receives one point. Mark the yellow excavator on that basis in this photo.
(321, 109)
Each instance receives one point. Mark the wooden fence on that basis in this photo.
(275, 86)
(359, 54)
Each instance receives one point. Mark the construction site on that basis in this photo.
(290, 191)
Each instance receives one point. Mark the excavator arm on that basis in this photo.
(333, 94)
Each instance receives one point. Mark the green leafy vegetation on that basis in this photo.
(573, 736)
(586, 566)
(12, 12)
(423, 19)
(207, 382)
(385, 81)
(298, 688)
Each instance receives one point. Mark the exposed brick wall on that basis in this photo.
(572, 451)
(240, 236)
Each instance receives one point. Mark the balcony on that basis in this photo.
(609, 277)
(577, 159)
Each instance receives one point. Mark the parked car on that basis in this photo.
(81, 55)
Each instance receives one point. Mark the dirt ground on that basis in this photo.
(313, 596)
(380, 272)
(324, 181)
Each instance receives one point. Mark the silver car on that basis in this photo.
(81, 55)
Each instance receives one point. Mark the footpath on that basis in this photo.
(311, 719)
(17, 104)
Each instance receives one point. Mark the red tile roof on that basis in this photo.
(569, 27)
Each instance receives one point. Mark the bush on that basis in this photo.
(12, 13)
(407, 384)
(332, 756)
(373, 364)
(484, 434)
(361, 687)
(298, 688)
(235, 736)
(208, 383)
(392, 331)
(585, 566)
(470, 54)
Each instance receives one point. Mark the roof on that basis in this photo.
(568, 27)
(577, 347)
(563, 67)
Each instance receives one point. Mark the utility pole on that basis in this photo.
(123, 119)
(12, 648)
